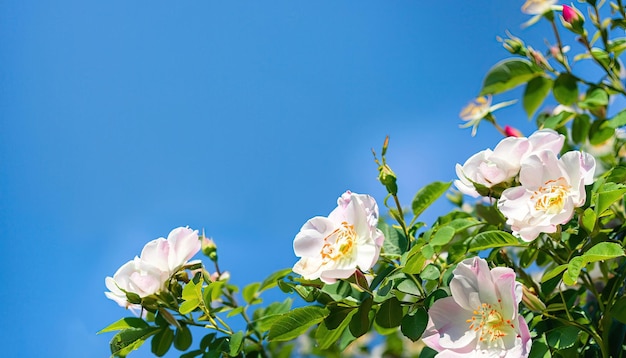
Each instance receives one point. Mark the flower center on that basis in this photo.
(488, 322)
(339, 243)
(551, 197)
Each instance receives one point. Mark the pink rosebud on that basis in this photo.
(512, 132)
(569, 14)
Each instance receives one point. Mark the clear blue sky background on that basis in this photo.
(120, 120)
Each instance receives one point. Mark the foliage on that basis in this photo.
(571, 276)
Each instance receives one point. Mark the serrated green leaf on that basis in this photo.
(428, 195)
(292, 324)
(607, 196)
(413, 326)
(603, 251)
(535, 93)
(162, 341)
(493, 239)
(443, 236)
(272, 280)
(235, 343)
(553, 273)
(565, 89)
(395, 241)
(562, 337)
(128, 340)
(327, 335)
(508, 74)
(389, 314)
(125, 323)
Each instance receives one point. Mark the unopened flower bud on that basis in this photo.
(388, 178)
(531, 300)
(209, 248)
(512, 132)
(514, 45)
(573, 19)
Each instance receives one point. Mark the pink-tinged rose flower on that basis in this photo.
(334, 247)
(138, 277)
(481, 318)
(489, 168)
(172, 253)
(160, 259)
(537, 7)
(550, 190)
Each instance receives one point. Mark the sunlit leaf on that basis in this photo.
(508, 74)
(535, 93)
(428, 195)
(294, 323)
(565, 89)
(493, 239)
(125, 323)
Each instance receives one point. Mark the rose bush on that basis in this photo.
(529, 262)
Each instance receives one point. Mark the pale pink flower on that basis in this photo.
(481, 318)
(148, 274)
(489, 168)
(137, 277)
(550, 190)
(334, 247)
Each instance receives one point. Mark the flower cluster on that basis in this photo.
(334, 247)
(149, 273)
(537, 190)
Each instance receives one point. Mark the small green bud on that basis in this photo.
(209, 248)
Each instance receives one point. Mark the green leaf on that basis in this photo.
(192, 296)
(508, 74)
(618, 311)
(162, 342)
(182, 338)
(595, 97)
(361, 322)
(580, 128)
(128, 340)
(235, 344)
(428, 195)
(607, 195)
(618, 120)
(553, 273)
(603, 251)
(565, 89)
(271, 280)
(413, 326)
(292, 324)
(395, 241)
(125, 323)
(326, 335)
(574, 267)
(562, 337)
(442, 236)
(600, 132)
(589, 220)
(249, 293)
(535, 93)
(493, 239)
(430, 272)
(389, 314)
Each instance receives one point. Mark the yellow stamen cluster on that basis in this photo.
(339, 243)
(488, 322)
(550, 198)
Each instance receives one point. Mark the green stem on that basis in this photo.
(593, 333)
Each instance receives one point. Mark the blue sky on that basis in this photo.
(121, 120)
